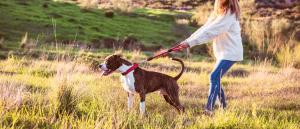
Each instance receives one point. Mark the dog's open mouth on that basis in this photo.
(107, 72)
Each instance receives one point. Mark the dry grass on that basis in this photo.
(88, 3)
(123, 6)
(203, 12)
(36, 92)
(261, 38)
(248, 5)
(269, 37)
(288, 56)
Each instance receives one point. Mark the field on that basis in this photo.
(46, 83)
(68, 94)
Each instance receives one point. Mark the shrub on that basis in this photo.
(297, 17)
(286, 12)
(23, 42)
(123, 6)
(45, 5)
(110, 42)
(257, 15)
(248, 4)
(297, 7)
(203, 12)
(277, 15)
(288, 56)
(145, 4)
(211, 51)
(128, 42)
(66, 101)
(90, 62)
(1, 43)
(269, 13)
(266, 39)
(180, 28)
(109, 14)
(88, 3)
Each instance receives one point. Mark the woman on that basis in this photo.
(223, 27)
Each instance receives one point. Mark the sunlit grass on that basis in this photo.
(261, 96)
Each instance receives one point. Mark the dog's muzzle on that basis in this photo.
(105, 72)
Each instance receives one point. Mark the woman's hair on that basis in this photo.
(221, 9)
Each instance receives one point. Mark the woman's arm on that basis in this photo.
(216, 28)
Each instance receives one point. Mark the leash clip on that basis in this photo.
(142, 62)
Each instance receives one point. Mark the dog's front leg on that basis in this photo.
(130, 101)
(142, 103)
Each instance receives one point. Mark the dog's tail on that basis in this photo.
(182, 69)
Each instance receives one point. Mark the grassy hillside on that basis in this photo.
(38, 17)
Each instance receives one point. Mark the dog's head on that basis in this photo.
(112, 63)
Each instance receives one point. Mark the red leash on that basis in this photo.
(170, 50)
(148, 59)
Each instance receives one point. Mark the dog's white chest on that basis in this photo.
(128, 83)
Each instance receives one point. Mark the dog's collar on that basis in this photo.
(131, 68)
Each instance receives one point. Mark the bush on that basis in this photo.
(109, 14)
(297, 7)
(1, 43)
(123, 6)
(66, 99)
(248, 4)
(203, 12)
(180, 28)
(23, 42)
(278, 16)
(88, 3)
(257, 15)
(286, 12)
(90, 62)
(289, 57)
(45, 5)
(297, 17)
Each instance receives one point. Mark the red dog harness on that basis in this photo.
(130, 69)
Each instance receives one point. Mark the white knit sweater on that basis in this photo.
(226, 32)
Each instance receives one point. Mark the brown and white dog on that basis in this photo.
(137, 81)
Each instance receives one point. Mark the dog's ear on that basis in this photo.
(117, 56)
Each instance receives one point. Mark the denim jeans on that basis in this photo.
(216, 91)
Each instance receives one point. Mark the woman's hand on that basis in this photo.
(184, 45)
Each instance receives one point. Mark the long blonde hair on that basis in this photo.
(221, 9)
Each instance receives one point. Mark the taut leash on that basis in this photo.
(170, 50)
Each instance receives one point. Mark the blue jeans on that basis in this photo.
(216, 91)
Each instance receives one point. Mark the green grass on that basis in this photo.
(86, 25)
